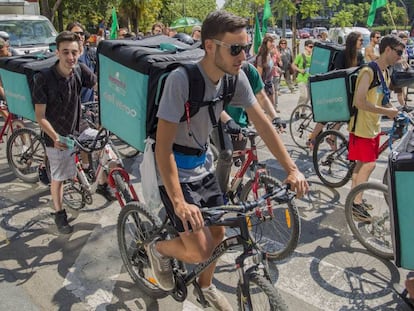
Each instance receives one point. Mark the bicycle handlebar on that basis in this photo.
(279, 194)
(95, 144)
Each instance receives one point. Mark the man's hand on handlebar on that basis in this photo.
(298, 183)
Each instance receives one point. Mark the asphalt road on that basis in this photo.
(40, 270)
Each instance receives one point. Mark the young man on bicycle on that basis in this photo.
(185, 190)
(371, 103)
(58, 113)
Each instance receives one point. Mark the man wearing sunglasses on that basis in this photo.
(371, 103)
(371, 50)
(185, 190)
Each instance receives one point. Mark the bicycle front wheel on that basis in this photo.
(137, 226)
(330, 159)
(25, 152)
(262, 295)
(277, 231)
(301, 124)
(373, 230)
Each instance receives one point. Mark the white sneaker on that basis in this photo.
(216, 299)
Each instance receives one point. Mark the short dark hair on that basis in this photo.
(373, 34)
(70, 26)
(217, 23)
(392, 41)
(308, 42)
(67, 36)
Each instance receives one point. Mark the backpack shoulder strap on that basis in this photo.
(304, 60)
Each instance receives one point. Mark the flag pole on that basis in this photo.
(392, 19)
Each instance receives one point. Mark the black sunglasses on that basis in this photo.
(80, 33)
(398, 51)
(235, 49)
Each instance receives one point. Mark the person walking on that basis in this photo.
(287, 60)
(265, 64)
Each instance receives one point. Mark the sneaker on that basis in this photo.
(360, 214)
(303, 115)
(161, 267)
(106, 192)
(407, 109)
(215, 298)
(61, 221)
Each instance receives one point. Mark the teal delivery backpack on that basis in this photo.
(131, 75)
(401, 177)
(323, 57)
(17, 73)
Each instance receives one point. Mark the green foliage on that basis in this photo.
(398, 16)
(351, 15)
(173, 9)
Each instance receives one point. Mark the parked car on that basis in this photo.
(303, 34)
(28, 33)
(318, 30)
(288, 33)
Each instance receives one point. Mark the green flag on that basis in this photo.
(267, 13)
(114, 26)
(375, 5)
(257, 39)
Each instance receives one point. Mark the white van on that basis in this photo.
(28, 33)
(338, 34)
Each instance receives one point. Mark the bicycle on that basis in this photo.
(301, 125)
(78, 192)
(279, 228)
(374, 235)
(10, 122)
(137, 226)
(330, 153)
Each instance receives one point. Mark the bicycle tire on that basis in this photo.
(330, 159)
(300, 128)
(122, 187)
(278, 234)
(375, 235)
(137, 226)
(25, 153)
(263, 295)
(73, 195)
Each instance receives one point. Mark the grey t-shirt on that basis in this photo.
(171, 108)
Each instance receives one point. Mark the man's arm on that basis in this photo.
(361, 102)
(40, 112)
(277, 148)
(166, 132)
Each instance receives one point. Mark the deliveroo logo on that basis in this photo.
(117, 84)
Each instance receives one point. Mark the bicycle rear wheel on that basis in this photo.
(375, 234)
(301, 124)
(25, 152)
(263, 296)
(277, 232)
(137, 226)
(330, 159)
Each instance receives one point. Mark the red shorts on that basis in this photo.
(363, 149)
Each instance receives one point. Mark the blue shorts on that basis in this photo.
(203, 193)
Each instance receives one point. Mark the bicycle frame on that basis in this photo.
(249, 251)
(105, 157)
(8, 123)
(251, 162)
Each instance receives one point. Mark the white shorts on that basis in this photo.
(62, 163)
